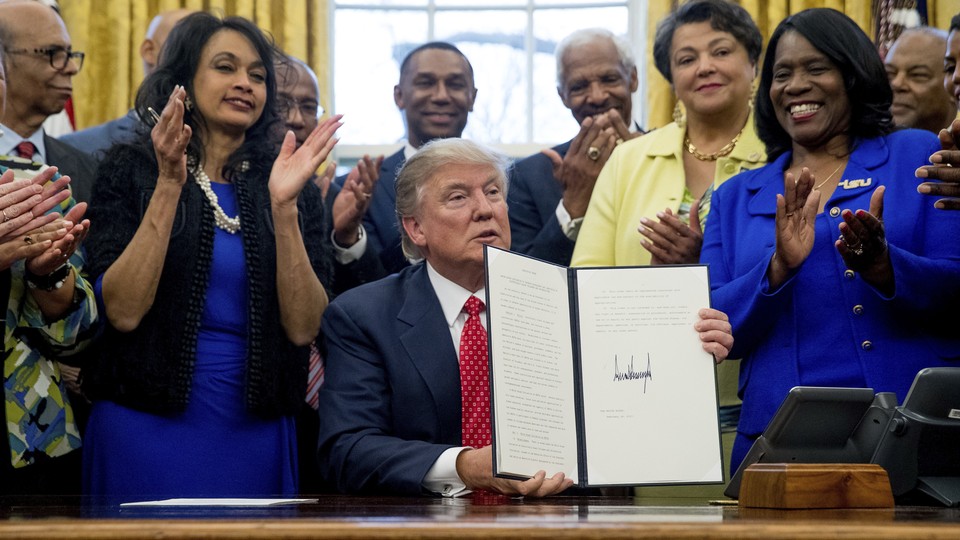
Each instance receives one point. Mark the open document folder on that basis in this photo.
(599, 373)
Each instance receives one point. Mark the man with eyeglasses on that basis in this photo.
(97, 139)
(40, 66)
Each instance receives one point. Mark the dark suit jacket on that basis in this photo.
(390, 404)
(381, 219)
(533, 196)
(80, 167)
(97, 139)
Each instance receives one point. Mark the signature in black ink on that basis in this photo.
(630, 374)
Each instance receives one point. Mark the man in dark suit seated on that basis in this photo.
(550, 191)
(97, 139)
(405, 405)
(40, 68)
(435, 93)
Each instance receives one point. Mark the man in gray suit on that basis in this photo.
(97, 139)
(40, 66)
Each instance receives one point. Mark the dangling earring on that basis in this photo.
(187, 103)
(678, 114)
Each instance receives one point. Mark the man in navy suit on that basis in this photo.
(390, 409)
(40, 65)
(97, 139)
(550, 191)
(436, 94)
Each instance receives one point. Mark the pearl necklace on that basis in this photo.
(220, 218)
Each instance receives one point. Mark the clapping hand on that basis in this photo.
(295, 166)
(863, 243)
(354, 199)
(946, 168)
(24, 204)
(796, 214)
(671, 241)
(577, 171)
(170, 138)
(62, 246)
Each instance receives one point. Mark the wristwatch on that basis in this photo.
(50, 282)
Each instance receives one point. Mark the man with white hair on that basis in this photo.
(915, 69)
(405, 407)
(550, 191)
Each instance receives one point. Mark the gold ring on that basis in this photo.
(28, 240)
(593, 153)
(6, 218)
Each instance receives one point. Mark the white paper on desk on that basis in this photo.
(221, 502)
(649, 389)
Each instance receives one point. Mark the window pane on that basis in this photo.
(369, 46)
(494, 43)
(479, 3)
(552, 122)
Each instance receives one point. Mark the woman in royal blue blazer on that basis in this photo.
(821, 292)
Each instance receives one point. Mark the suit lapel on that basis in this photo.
(427, 342)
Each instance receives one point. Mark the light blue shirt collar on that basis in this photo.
(9, 140)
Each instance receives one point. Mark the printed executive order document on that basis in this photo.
(599, 373)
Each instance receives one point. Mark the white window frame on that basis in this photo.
(636, 24)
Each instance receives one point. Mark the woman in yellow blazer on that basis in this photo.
(640, 209)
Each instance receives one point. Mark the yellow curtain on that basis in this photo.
(767, 14)
(110, 33)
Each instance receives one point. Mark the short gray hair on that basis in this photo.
(420, 169)
(588, 35)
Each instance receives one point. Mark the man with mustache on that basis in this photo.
(549, 191)
(915, 68)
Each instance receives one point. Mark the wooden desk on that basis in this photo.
(607, 518)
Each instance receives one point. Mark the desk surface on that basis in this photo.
(604, 518)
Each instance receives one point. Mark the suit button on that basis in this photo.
(834, 212)
(849, 274)
(866, 345)
(858, 309)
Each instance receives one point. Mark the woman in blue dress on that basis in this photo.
(833, 271)
(210, 260)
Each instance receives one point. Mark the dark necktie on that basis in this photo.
(26, 149)
(474, 378)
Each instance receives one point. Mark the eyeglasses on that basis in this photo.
(59, 56)
(307, 108)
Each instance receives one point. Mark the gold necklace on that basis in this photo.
(818, 186)
(727, 148)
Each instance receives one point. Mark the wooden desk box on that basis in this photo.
(823, 485)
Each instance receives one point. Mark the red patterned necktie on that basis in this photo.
(314, 376)
(26, 149)
(474, 378)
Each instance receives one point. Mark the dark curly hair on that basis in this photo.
(179, 61)
(851, 51)
(724, 16)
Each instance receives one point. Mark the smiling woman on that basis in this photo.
(212, 289)
(867, 309)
